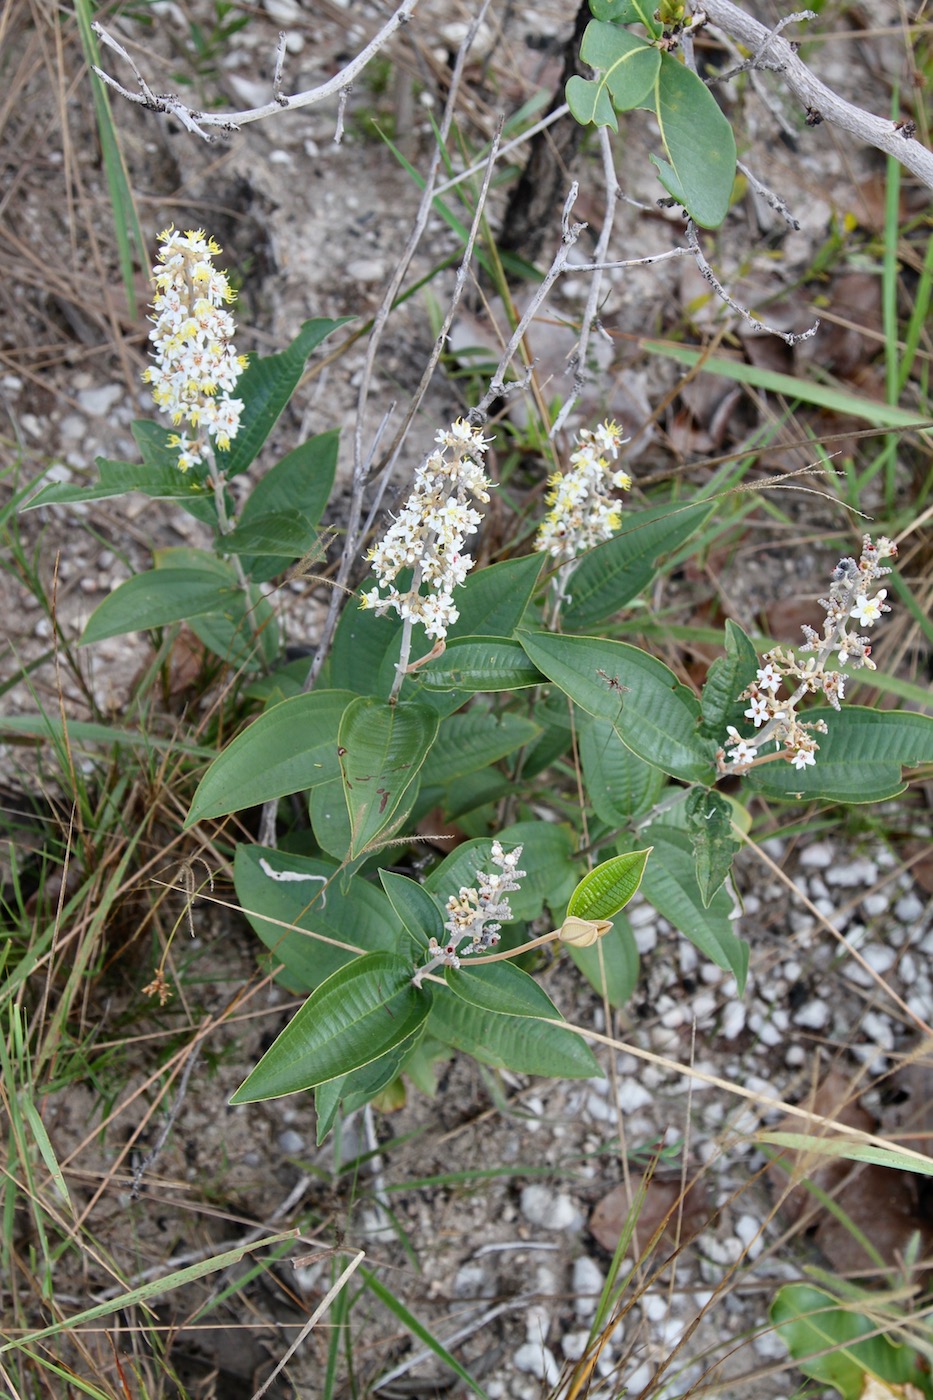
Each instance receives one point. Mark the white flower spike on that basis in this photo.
(196, 365)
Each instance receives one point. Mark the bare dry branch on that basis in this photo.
(880, 132)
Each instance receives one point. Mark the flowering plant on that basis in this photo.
(521, 681)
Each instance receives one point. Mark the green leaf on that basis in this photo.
(670, 884)
(301, 484)
(330, 820)
(827, 396)
(417, 908)
(628, 68)
(382, 748)
(265, 386)
(301, 481)
(728, 676)
(289, 748)
(115, 478)
(362, 642)
(616, 571)
(608, 887)
(485, 664)
(859, 759)
(245, 635)
(850, 1151)
(622, 11)
(618, 784)
(492, 602)
(352, 1091)
(519, 1043)
(653, 714)
(699, 143)
(286, 915)
(158, 598)
(277, 536)
(501, 988)
(709, 824)
(466, 743)
(617, 974)
(835, 1346)
(359, 1014)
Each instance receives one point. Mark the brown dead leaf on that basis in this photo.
(685, 1214)
(882, 1204)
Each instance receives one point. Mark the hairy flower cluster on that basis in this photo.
(852, 595)
(582, 512)
(429, 533)
(477, 914)
(196, 365)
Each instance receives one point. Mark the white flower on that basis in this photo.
(757, 710)
(805, 754)
(742, 752)
(868, 610)
(769, 678)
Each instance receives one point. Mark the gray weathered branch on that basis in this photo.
(771, 48)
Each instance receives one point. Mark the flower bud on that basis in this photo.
(583, 933)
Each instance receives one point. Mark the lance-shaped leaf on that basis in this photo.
(699, 143)
(609, 887)
(381, 749)
(618, 784)
(481, 663)
(616, 571)
(627, 68)
(417, 908)
(670, 884)
(290, 748)
(469, 742)
(354, 1090)
(157, 598)
(525, 1044)
(652, 713)
(859, 759)
(356, 1016)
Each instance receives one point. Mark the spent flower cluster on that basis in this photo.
(430, 531)
(196, 365)
(582, 512)
(476, 914)
(852, 596)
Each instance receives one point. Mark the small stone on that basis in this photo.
(747, 1229)
(878, 1028)
(290, 1142)
(878, 958)
(588, 1280)
(632, 1096)
(573, 1344)
(733, 1020)
(908, 909)
(857, 872)
(599, 1109)
(472, 1281)
(538, 1361)
(795, 1056)
(813, 1015)
(366, 270)
(819, 856)
(551, 1210)
(98, 402)
(875, 904)
(654, 1307)
(283, 11)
